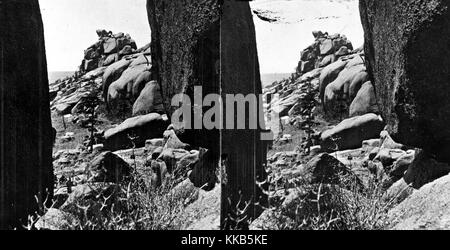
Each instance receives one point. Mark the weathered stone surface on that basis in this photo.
(149, 100)
(338, 90)
(140, 83)
(95, 197)
(365, 101)
(402, 164)
(407, 50)
(426, 209)
(122, 87)
(112, 73)
(388, 156)
(356, 84)
(203, 175)
(27, 137)
(144, 127)
(326, 47)
(110, 59)
(55, 219)
(388, 142)
(108, 167)
(172, 141)
(325, 169)
(175, 47)
(350, 133)
(213, 47)
(240, 75)
(329, 74)
(171, 156)
(398, 192)
(424, 169)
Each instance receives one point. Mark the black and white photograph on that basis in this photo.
(224, 116)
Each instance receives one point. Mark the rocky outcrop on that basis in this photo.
(350, 133)
(407, 57)
(190, 53)
(27, 136)
(424, 169)
(239, 67)
(338, 90)
(365, 101)
(108, 167)
(325, 50)
(324, 169)
(112, 73)
(177, 49)
(426, 209)
(329, 74)
(119, 85)
(141, 128)
(149, 101)
(122, 88)
(107, 50)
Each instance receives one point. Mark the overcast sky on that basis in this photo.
(280, 43)
(70, 27)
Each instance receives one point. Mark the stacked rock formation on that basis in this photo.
(325, 50)
(342, 83)
(127, 80)
(107, 50)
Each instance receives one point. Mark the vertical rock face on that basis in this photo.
(212, 44)
(185, 45)
(25, 125)
(407, 45)
(185, 53)
(245, 151)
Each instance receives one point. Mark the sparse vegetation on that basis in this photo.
(308, 102)
(329, 207)
(132, 205)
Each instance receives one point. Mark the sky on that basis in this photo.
(70, 27)
(279, 44)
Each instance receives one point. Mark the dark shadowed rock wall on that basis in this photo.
(26, 135)
(213, 45)
(407, 46)
(245, 151)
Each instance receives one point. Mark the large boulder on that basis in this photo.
(426, 209)
(350, 133)
(108, 167)
(365, 101)
(424, 169)
(27, 136)
(329, 74)
(55, 219)
(116, 43)
(140, 83)
(326, 47)
(339, 89)
(122, 88)
(407, 51)
(149, 101)
(143, 127)
(112, 73)
(323, 169)
(110, 59)
(356, 84)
